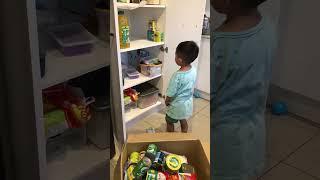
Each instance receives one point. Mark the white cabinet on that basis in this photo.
(203, 79)
(180, 20)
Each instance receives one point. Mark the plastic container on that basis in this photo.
(132, 74)
(149, 95)
(149, 68)
(73, 39)
(104, 23)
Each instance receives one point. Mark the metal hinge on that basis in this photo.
(164, 49)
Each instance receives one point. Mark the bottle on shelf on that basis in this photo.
(124, 30)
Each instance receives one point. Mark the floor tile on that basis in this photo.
(199, 104)
(200, 127)
(285, 172)
(307, 158)
(205, 111)
(285, 135)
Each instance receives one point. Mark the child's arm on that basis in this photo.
(168, 100)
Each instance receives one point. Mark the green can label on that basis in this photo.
(142, 167)
(152, 175)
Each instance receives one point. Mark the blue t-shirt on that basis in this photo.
(240, 75)
(181, 90)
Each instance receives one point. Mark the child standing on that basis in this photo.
(179, 95)
(243, 49)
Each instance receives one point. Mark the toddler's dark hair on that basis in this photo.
(251, 3)
(188, 51)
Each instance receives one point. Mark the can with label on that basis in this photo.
(173, 163)
(152, 151)
(186, 168)
(129, 172)
(155, 175)
(159, 159)
(142, 167)
(150, 35)
(134, 158)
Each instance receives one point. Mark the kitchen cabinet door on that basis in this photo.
(183, 23)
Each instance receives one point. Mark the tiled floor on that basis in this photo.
(293, 145)
(199, 123)
(293, 149)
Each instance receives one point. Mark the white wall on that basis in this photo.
(298, 62)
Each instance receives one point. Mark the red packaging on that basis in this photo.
(187, 176)
(171, 176)
(76, 107)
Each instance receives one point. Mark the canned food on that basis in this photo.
(129, 172)
(159, 159)
(150, 35)
(155, 175)
(186, 168)
(142, 167)
(134, 158)
(152, 151)
(187, 176)
(171, 176)
(173, 163)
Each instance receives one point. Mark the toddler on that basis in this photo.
(242, 50)
(179, 95)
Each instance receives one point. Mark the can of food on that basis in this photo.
(152, 151)
(134, 158)
(142, 167)
(159, 159)
(173, 163)
(157, 36)
(155, 175)
(187, 176)
(171, 176)
(186, 168)
(129, 172)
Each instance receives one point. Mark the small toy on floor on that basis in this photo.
(279, 108)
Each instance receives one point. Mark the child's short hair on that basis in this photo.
(188, 51)
(252, 3)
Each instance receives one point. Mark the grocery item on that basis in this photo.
(159, 160)
(124, 30)
(134, 158)
(132, 74)
(55, 123)
(151, 68)
(124, 1)
(183, 159)
(130, 171)
(142, 167)
(171, 176)
(157, 36)
(155, 175)
(173, 163)
(187, 176)
(162, 36)
(150, 35)
(152, 151)
(186, 168)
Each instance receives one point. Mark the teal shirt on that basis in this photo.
(181, 90)
(240, 75)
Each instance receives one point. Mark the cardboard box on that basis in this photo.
(178, 143)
